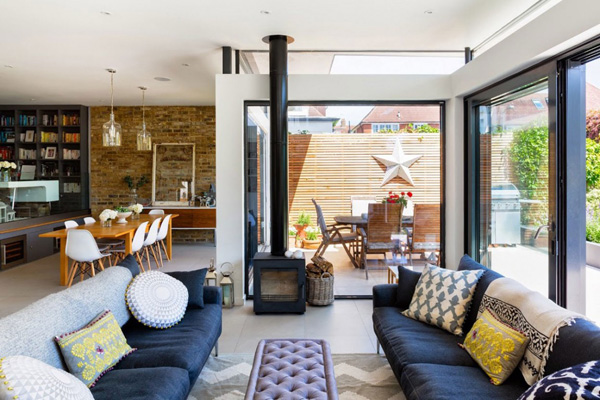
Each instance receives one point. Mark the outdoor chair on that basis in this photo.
(360, 204)
(425, 236)
(384, 221)
(332, 234)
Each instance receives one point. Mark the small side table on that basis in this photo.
(392, 274)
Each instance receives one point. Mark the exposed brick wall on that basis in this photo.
(173, 124)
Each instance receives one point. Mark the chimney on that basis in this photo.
(278, 72)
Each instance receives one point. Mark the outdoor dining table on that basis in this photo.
(116, 231)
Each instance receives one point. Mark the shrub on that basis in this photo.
(303, 218)
(592, 125)
(592, 164)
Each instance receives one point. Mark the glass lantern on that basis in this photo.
(227, 285)
(144, 139)
(211, 275)
(111, 132)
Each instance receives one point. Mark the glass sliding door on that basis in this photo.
(514, 186)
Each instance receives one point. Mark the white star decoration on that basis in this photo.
(397, 164)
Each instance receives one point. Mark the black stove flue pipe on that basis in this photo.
(278, 73)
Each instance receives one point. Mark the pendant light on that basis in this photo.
(111, 131)
(144, 138)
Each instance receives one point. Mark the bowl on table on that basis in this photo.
(122, 217)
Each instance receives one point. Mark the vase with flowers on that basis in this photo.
(401, 200)
(6, 169)
(106, 216)
(136, 209)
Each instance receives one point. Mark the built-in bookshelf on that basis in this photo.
(54, 139)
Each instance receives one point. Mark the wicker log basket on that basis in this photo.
(319, 278)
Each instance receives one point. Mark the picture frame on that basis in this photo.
(29, 136)
(50, 153)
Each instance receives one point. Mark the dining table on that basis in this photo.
(115, 231)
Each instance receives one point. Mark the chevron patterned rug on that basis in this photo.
(358, 377)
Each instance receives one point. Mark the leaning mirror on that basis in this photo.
(173, 174)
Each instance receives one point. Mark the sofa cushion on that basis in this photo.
(576, 344)
(186, 345)
(194, 282)
(442, 297)
(406, 341)
(23, 377)
(495, 346)
(578, 382)
(407, 281)
(131, 264)
(445, 382)
(157, 300)
(31, 331)
(163, 383)
(468, 264)
(96, 348)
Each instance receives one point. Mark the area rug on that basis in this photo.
(358, 376)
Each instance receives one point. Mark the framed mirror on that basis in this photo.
(173, 173)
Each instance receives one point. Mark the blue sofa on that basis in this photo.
(167, 362)
(429, 364)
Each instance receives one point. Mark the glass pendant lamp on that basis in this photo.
(111, 130)
(144, 138)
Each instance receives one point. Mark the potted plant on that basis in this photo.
(6, 168)
(134, 185)
(401, 200)
(106, 216)
(122, 214)
(136, 209)
(312, 240)
(301, 223)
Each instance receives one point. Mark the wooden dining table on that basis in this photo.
(116, 231)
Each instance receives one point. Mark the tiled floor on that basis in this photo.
(346, 323)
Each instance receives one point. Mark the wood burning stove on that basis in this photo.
(279, 284)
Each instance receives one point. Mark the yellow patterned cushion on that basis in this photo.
(495, 346)
(95, 349)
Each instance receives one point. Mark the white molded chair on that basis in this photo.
(156, 212)
(89, 220)
(162, 235)
(83, 250)
(103, 243)
(137, 244)
(150, 242)
(71, 224)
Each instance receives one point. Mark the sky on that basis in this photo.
(592, 70)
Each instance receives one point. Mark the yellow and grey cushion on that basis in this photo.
(26, 378)
(495, 346)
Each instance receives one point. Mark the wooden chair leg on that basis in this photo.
(164, 246)
(160, 257)
(154, 256)
(72, 273)
(352, 259)
(140, 261)
(148, 258)
(101, 264)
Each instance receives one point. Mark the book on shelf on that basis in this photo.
(71, 154)
(70, 119)
(71, 187)
(7, 120)
(49, 137)
(71, 137)
(28, 154)
(50, 119)
(27, 120)
(6, 153)
(7, 135)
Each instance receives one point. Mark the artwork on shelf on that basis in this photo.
(50, 153)
(29, 136)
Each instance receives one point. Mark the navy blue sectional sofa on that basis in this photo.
(166, 363)
(428, 362)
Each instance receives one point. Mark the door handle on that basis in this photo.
(539, 230)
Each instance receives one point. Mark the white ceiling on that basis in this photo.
(59, 49)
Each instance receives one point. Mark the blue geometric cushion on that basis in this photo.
(94, 349)
(442, 297)
(581, 382)
(156, 300)
(26, 378)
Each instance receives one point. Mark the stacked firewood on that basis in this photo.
(318, 267)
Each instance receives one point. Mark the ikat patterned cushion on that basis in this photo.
(157, 300)
(581, 382)
(26, 378)
(95, 349)
(442, 297)
(495, 346)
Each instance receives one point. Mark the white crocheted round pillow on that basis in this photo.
(26, 378)
(156, 300)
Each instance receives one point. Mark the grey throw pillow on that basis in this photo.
(442, 297)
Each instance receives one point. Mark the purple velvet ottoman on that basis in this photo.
(292, 369)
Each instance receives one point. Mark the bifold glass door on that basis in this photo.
(515, 223)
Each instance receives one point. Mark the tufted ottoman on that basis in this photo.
(292, 369)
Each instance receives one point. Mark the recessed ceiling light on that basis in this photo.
(8, 66)
(185, 64)
(105, 13)
(428, 12)
(33, 99)
(162, 79)
(265, 12)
